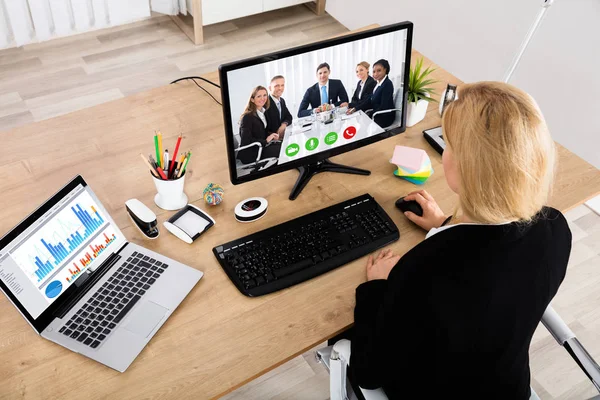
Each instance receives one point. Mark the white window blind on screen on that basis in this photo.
(27, 21)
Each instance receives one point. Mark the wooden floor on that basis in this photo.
(44, 80)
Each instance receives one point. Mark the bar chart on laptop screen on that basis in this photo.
(65, 246)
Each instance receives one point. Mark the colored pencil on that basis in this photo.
(160, 160)
(175, 153)
(149, 166)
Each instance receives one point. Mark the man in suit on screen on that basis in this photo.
(326, 91)
(278, 116)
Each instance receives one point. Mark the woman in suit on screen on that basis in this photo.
(364, 87)
(253, 128)
(454, 316)
(382, 97)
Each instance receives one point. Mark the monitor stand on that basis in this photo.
(308, 171)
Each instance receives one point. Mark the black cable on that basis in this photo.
(196, 77)
(193, 79)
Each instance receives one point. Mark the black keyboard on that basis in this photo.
(101, 314)
(305, 247)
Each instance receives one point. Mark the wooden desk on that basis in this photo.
(218, 339)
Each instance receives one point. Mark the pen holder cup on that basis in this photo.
(170, 194)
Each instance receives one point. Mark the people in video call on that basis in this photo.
(382, 97)
(326, 91)
(364, 87)
(253, 128)
(278, 116)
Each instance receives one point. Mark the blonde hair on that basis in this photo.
(503, 150)
(251, 107)
(364, 64)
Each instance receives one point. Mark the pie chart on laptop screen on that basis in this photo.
(53, 289)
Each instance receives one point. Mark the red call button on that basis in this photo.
(349, 132)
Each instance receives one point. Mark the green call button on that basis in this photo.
(292, 150)
(331, 138)
(312, 144)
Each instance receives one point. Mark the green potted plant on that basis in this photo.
(419, 92)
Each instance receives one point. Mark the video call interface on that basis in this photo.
(294, 107)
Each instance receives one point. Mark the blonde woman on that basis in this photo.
(364, 87)
(454, 317)
(253, 128)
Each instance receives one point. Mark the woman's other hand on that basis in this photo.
(433, 216)
(272, 136)
(380, 266)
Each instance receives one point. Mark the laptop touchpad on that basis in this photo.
(146, 318)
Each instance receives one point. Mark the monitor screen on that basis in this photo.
(40, 264)
(302, 105)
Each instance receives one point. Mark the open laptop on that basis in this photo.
(70, 272)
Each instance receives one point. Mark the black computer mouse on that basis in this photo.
(409, 205)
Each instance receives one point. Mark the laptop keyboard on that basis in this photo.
(101, 314)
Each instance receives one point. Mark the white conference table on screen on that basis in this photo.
(309, 135)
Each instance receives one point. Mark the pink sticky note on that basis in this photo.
(408, 157)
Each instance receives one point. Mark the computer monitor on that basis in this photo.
(296, 108)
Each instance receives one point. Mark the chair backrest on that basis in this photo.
(398, 88)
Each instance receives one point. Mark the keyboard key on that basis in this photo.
(135, 253)
(82, 337)
(165, 266)
(95, 344)
(156, 276)
(74, 335)
(106, 332)
(141, 292)
(152, 260)
(127, 308)
(93, 335)
(146, 258)
(89, 329)
(88, 341)
(101, 337)
(95, 323)
(61, 330)
(112, 325)
(158, 263)
(104, 323)
(151, 281)
(146, 287)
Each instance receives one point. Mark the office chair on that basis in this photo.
(258, 164)
(336, 359)
(398, 100)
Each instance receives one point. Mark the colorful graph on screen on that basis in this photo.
(65, 239)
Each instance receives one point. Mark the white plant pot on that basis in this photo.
(415, 112)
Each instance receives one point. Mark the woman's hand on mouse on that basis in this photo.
(380, 266)
(433, 216)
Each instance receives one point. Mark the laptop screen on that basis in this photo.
(73, 236)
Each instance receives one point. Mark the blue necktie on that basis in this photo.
(324, 99)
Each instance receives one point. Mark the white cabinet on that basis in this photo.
(214, 11)
(269, 5)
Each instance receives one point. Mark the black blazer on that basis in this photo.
(357, 101)
(312, 97)
(252, 130)
(272, 115)
(382, 99)
(462, 307)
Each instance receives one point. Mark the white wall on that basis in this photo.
(477, 40)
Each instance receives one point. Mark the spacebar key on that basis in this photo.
(126, 309)
(290, 269)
